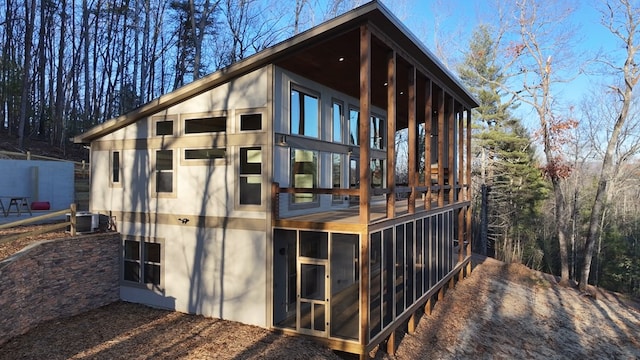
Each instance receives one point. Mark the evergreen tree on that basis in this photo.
(510, 181)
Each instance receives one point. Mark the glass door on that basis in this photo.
(313, 283)
(312, 300)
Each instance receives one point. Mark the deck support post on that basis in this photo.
(428, 307)
(391, 343)
(412, 324)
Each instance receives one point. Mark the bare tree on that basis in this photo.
(539, 57)
(622, 19)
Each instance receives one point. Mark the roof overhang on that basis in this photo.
(316, 54)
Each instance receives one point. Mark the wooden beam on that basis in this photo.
(365, 122)
(469, 237)
(461, 141)
(411, 326)
(391, 134)
(452, 147)
(441, 133)
(428, 118)
(411, 92)
(391, 343)
(365, 174)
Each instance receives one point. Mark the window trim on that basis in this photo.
(334, 102)
(306, 91)
(316, 198)
(250, 111)
(198, 115)
(174, 179)
(112, 183)
(141, 284)
(239, 175)
(203, 162)
(159, 118)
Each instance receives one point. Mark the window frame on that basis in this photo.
(250, 111)
(142, 261)
(341, 120)
(241, 175)
(154, 176)
(315, 202)
(184, 117)
(311, 93)
(203, 162)
(160, 118)
(112, 182)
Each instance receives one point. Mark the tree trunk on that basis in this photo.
(25, 101)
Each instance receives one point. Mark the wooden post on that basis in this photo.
(469, 237)
(391, 135)
(412, 324)
(412, 140)
(391, 343)
(428, 115)
(73, 219)
(441, 108)
(428, 307)
(451, 153)
(365, 122)
(441, 293)
(461, 141)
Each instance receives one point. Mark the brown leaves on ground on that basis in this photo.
(511, 312)
(501, 311)
(124, 331)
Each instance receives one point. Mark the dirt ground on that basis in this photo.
(499, 312)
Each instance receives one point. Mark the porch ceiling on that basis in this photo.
(336, 63)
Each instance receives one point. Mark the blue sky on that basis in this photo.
(453, 21)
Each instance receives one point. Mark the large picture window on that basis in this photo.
(354, 125)
(251, 176)
(305, 111)
(142, 261)
(304, 172)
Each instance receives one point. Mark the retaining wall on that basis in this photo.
(57, 278)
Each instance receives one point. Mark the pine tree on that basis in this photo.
(510, 181)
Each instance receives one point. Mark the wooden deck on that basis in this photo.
(351, 214)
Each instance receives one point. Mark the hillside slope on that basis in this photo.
(511, 312)
(500, 312)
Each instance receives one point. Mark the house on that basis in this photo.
(266, 192)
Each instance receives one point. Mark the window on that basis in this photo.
(249, 122)
(338, 115)
(164, 127)
(378, 174)
(304, 165)
(115, 167)
(354, 125)
(304, 114)
(251, 176)
(164, 171)
(336, 175)
(377, 133)
(205, 125)
(205, 154)
(142, 262)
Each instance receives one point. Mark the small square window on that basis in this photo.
(145, 269)
(164, 127)
(249, 122)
